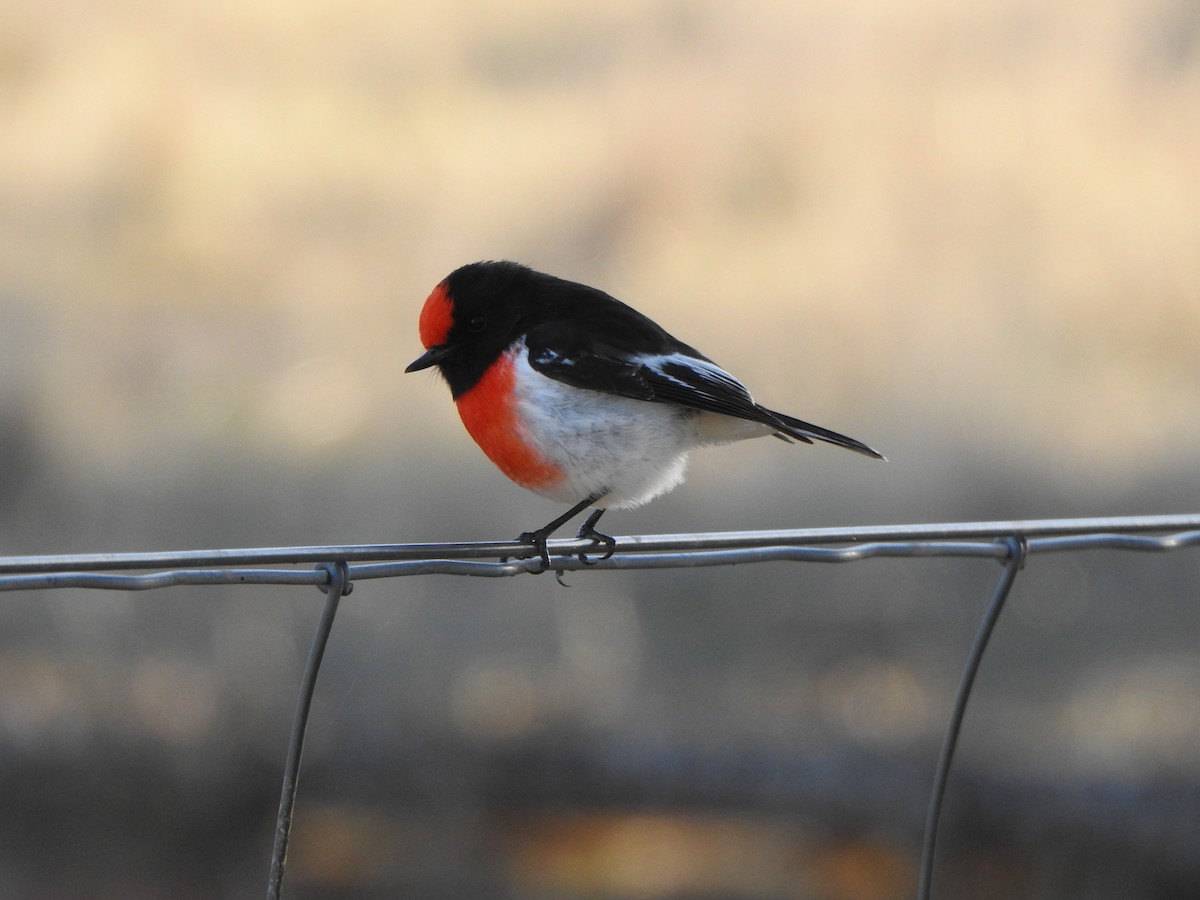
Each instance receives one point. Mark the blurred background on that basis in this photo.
(967, 234)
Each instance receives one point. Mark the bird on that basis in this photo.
(580, 398)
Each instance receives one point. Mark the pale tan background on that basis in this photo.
(968, 234)
(971, 219)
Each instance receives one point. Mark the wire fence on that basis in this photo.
(337, 568)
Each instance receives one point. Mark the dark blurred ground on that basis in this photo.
(754, 732)
(966, 234)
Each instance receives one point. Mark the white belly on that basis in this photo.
(631, 450)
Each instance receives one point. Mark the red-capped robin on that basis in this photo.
(580, 398)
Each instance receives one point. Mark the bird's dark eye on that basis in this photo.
(476, 323)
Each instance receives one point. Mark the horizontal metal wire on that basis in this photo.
(126, 571)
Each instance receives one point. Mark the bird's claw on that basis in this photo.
(538, 540)
(605, 541)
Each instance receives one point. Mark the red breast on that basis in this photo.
(489, 412)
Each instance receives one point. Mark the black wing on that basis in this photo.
(654, 367)
(562, 353)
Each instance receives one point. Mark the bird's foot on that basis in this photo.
(604, 541)
(538, 540)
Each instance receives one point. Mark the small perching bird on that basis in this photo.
(578, 397)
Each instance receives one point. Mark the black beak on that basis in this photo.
(431, 357)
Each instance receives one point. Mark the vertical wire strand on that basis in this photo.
(1016, 559)
(338, 586)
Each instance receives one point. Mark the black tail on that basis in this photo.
(790, 427)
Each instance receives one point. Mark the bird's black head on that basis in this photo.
(472, 317)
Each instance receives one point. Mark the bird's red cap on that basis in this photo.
(437, 317)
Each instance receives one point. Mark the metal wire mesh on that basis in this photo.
(499, 559)
(337, 567)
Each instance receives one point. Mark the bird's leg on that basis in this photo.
(589, 531)
(538, 538)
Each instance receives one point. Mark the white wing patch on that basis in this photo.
(667, 366)
(548, 357)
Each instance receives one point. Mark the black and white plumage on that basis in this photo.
(579, 397)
